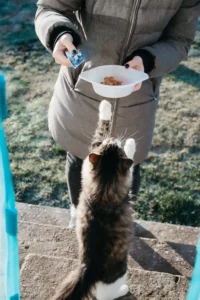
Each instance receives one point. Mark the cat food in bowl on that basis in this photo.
(111, 81)
(126, 78)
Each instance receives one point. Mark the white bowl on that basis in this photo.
(130, 78)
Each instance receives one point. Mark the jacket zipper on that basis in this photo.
(133, 20)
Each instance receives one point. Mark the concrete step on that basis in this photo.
(41, 274)
(160, 261)
(162, 231)
(147, 254)
(43, 214)
(45, 239)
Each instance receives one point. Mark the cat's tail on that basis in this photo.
(76, 286)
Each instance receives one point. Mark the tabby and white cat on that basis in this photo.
(104, 220)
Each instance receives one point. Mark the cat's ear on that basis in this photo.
(94, 158)
(127, 163)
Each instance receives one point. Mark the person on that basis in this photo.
(151, 36)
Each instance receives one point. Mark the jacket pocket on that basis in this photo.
(72, 75)
(148, 93)
(78, 85)
(152, 99)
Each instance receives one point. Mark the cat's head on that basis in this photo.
(110, 162)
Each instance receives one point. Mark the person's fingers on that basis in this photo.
(136, 63)
(137, 87)
(61, 59)
(67, 41)
(59, 55)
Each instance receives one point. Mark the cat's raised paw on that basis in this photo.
(130, 148)
(105, 112)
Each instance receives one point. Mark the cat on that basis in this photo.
(104, 220)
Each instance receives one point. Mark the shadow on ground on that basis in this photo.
(183, 73)
(154, 255)
(187, 252)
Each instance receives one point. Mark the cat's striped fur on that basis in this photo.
(103, 219)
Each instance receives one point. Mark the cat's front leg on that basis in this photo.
(104, 125)
(73, 213)
(105, 113)
(130, 148)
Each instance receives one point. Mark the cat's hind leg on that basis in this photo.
(111, 291)
(105, 112)
(123, 290)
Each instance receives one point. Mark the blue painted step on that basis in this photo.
(194, 290)
(9, 257)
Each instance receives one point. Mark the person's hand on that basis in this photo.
(137, 64)
(64, 43)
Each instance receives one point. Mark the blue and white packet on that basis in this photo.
(76, 59)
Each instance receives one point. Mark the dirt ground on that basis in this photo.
(170, 189)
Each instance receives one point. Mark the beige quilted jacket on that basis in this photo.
(111, 30)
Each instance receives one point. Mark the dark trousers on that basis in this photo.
(73, 174)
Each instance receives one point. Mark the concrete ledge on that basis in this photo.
(160, 255)
(46, 240)
(145, 285)
(167, 232)
(42, 233)
(59, 249)
(43, 214)
(41, 274)
(153, 255)
(147, 254)
(152, 230)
